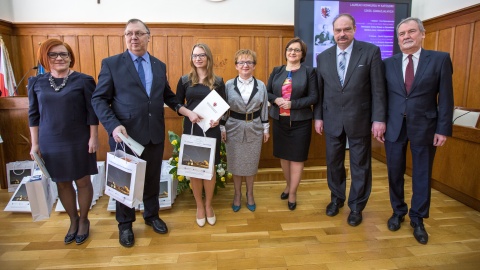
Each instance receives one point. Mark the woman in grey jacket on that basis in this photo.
(246, 125)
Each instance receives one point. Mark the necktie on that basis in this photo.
(141, 72)
(341, 67)
(409, 75)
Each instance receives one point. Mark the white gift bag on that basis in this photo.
(40, 197)
(125, 178)
(197, 156)
(16, 171)
(19, 200)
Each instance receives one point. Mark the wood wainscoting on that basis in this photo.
(171, 43)
(458, 33)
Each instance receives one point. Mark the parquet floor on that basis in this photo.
(270, 238)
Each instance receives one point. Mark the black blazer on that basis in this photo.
(121, 99)
(304, 92)
(361, 100)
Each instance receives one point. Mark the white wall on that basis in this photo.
(6, 12)
(426, 9)
(276, 12)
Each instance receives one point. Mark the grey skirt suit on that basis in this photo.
(244, 138)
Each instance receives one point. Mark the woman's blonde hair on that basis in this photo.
(193, 75)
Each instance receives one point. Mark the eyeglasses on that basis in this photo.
(242, 63)
(54, 55)
(138, 34)
(201, 56)
(293, 50)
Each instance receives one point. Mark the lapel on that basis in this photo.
(422, 66)
(156, 69)
(254, 91)
(357, 52)
(133, 71)
(332, 58)
(397, 69)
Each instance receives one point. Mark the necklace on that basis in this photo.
(54, 86)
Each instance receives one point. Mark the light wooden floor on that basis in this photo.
(270, 238)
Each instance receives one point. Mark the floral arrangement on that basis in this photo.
(184, 182)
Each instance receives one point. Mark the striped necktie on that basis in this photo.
(341, 67)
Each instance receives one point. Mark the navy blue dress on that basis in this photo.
(64, 120)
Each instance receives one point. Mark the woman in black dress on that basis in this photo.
(64, 131)
(193, 88)
(292, 90)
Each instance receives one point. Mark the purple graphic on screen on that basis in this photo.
(375, 24)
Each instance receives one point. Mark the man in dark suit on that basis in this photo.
(420, 110)
(352, 103)
(130, 96)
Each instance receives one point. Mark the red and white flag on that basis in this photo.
(7, 79)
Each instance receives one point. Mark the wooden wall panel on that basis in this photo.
(430, 41)
(187, 45)
(261, 69)
(460, 60)
(116, 45)
(72, 41)
(445, 38)
(86, 55)
(459, 34)
(174, 60)
(100, 43)
(473, 91)
(25, 49)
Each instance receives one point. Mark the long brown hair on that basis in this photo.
(193, 75)
(42, 54)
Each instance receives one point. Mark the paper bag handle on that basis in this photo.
(191, 130)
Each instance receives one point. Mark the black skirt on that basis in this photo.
(291, 140)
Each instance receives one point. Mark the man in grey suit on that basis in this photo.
(352, 103)
(130, 96)
(420, 111)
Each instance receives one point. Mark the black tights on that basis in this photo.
(67, 196)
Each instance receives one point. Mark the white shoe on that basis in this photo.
(212, 220)
(200, 221)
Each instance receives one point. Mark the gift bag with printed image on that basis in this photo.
(125, 178)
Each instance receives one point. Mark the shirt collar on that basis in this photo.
(348, 49)
(415, 54)
(247, 81)
(146, 56)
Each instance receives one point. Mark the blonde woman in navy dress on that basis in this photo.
(64, 131)
(292, 90)
(246, 126)
(193, 88)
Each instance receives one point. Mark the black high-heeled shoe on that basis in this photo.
(284, 196)
(292, 205)
(70, 237)
(80, 239)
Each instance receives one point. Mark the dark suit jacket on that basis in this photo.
(304, 92)
(360, 101)
(429, 105)
(121, 99)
